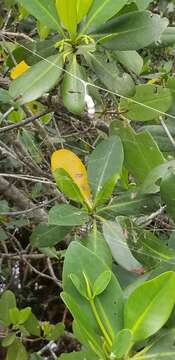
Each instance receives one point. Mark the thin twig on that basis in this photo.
(22, 256)
(50, 267)
(28, 178)
(26, 211)
(13, 34)
(24, 122)
(167, 131)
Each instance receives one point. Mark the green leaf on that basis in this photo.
(35, 356)
(14, 315)
(145, 315)
(132, 31)
(7, 302)
(5, 98)
(95, 242)
(117, 241)
(162, 347)
(80, 260)
(8, 340)
(160, 137)
(44, 11)
(85, 324)
(101, 11)
(145, 246)
(168, 37)
(28, 140)
(154, 96)
(3, 235)
(130, 60)
(130, 203)
(78, 356)
(17, 351)
(122, 344)
(101, 283)
(82, 8)
(152, 181)
(79, 285)
(67, 215)
(37, 80)
(32, 325)
(141, 153)
(142, 4)
(24, 315)
(110, 75)
(56, 331)
(167, 190)
(67, 11)
(104, 163)
(73, 90)
(47, 235)
(66, 184)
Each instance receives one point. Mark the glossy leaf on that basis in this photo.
(151, 185)
(44, 11)
(37, 80)
(146, 247)
(130, 60)
(110, 75)
(117, 241)
(132, 31)
(101, 283)
(80, 260)
(24, 315)
(122, 344)
(101, 11)
(73, 166)
(141, 152)
(156, 97)
(14, 315)
(81, 288)
(68, 187)
(73, 90)
(82, 8)
(67, 215)
(142, 4)
(47, 235)
(96, 242)
(67, 12)
(130, 203)
(84, 323)
(162, 347)
(167, 190)
(145, 315)
(105, 162)
(78, 356)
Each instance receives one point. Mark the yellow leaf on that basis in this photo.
(19, 70)
(67, 160)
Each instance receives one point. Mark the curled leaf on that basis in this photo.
(70, 162)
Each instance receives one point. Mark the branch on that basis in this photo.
(11, 193)
(24, 122)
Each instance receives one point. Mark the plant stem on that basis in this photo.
(106, 336)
